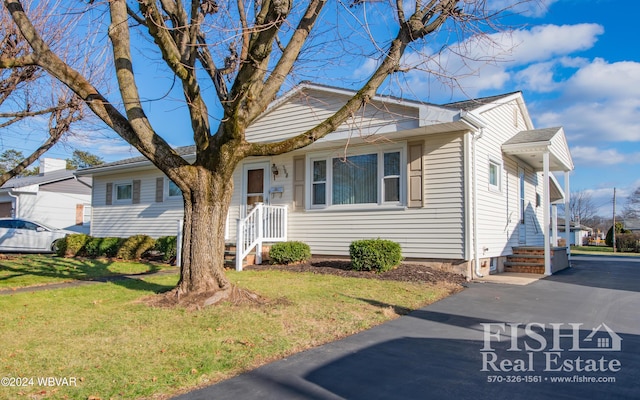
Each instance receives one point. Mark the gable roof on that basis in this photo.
(41, 179)
(530, 146)
(472, 104)
(182, 151)
(428, 114)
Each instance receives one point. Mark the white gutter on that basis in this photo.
(476, 256)
(17, 202)
(476, 133)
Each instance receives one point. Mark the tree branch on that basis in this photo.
(410, 31)
(153, 147)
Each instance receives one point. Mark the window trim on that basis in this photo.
(328, 157)
(498, 186)
(115, 192)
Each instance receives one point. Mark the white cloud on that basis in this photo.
(590, 155)
(544, 42)
(603, 80)
(537, 77)
(491, 62)
(529, 8)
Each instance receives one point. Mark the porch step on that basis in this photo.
(230, 256)
(526, 260)
(250, 259)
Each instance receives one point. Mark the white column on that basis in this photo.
(554, 224)
(567, 217)
(547, 211)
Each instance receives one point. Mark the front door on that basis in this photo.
(256, 182)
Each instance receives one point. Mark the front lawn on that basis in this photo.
(21, 270)
(599, 250)
(109, 345)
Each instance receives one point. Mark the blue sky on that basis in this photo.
(574, 61)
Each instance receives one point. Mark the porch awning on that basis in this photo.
(529, 147)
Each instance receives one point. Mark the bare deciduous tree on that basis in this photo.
(26, 91)
(245, 51)
(632, 206)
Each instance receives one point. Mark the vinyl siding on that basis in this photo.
(305, 110)
(499, 211)
(55, 209)
(148, 217)
(434, 231)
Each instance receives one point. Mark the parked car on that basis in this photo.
(21, 235)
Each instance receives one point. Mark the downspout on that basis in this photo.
(476, 133)
(476, 253)
(17, 202)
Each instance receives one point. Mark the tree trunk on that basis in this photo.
(205, 212)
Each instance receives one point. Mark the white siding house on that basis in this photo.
(458, 184)
(55, 197)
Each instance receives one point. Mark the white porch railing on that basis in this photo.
(263, 224)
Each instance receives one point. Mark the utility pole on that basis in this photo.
(614, 220)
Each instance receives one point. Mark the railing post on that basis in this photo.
(259, 234)
(239, 243)
(179, 243)
(285, 223)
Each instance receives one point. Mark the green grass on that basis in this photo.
(115, 347)
(598, 250)
(33, 270)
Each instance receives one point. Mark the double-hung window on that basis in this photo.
(362, 179)
(495, 171)
(123, 192)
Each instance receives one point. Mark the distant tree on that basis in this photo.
(9, 159)
(632, 207)
(83, 159)
(582, 210)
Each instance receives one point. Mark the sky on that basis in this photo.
(574, 61)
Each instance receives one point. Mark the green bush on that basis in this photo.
(72, 245)
(289, 252)
(132, 248)
(374, 255)
(628, 242)
(167, 245)
(101, 247)
(608, 240)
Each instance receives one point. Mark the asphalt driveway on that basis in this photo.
(491, 341)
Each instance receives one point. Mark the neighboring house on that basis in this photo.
(579, 234)
(55, 197)
(632, 225)
(461, 183)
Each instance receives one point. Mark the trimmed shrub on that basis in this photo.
(109, 246)
(167, 245)
(101, 247)
(72, 245)
(628, 242)
(132, 248)
(608, 240)
(289, 252)
(374, 255)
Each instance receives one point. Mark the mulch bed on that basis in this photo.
(404, 272)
